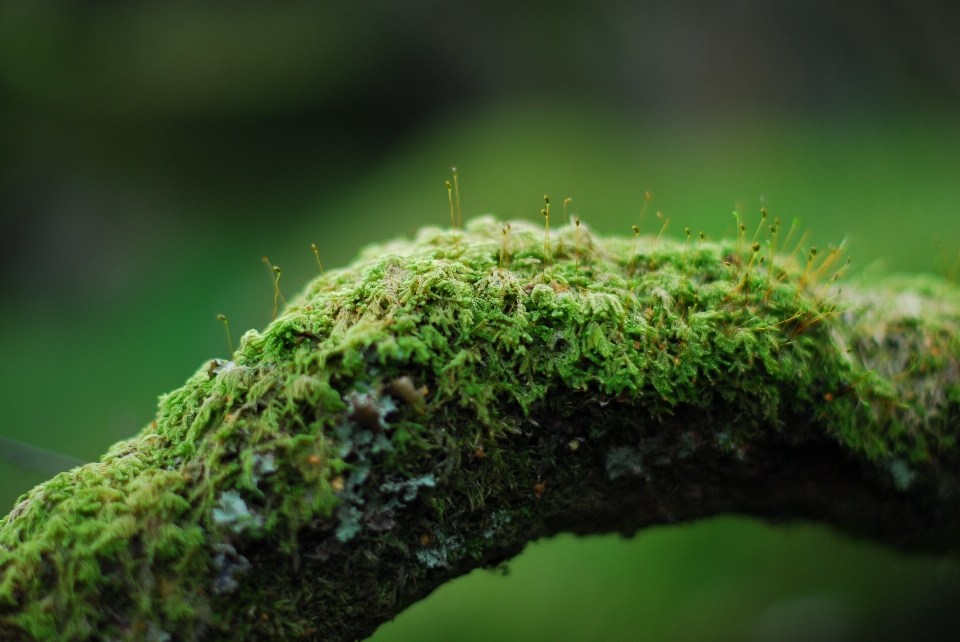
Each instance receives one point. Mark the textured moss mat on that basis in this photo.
(440, 402)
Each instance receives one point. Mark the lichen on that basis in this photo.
(624, 460)
(233, 514)
(439, 402)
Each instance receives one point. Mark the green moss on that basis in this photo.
(309, 488)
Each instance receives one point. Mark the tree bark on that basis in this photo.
(441, 402)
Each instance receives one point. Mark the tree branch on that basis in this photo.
(439, 403)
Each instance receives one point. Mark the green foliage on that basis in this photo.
(315, 442)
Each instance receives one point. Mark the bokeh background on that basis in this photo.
(152, 153)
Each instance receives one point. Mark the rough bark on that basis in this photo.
(441, 402)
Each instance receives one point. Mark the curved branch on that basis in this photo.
(441, 402)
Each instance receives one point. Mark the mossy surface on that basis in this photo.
(440, 402)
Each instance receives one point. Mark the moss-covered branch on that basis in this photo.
(439, 403)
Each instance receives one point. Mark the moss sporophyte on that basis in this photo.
(438, 403)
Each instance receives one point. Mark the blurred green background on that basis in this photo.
(150, 154)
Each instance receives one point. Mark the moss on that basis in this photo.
(437, 404)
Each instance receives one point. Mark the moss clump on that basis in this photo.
(440, 402)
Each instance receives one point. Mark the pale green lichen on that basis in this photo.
(233, 514)
(309, 489)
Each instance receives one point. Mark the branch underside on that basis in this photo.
(779, 479)
(441, 403)
(668, 474)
